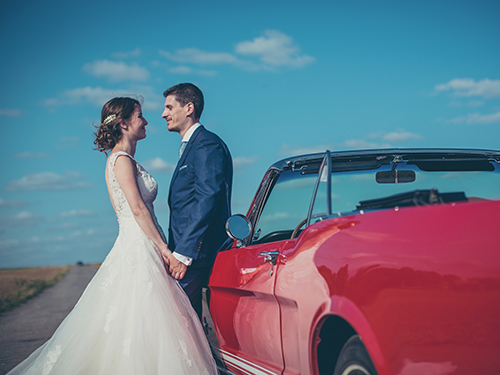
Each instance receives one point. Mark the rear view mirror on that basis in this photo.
(395, 177)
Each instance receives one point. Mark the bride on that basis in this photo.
(133, 318)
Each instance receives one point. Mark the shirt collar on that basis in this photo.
(190, 132)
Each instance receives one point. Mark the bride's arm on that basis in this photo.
(125, 171)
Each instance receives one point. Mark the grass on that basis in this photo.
(19, 285)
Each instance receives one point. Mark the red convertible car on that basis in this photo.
(363, 262)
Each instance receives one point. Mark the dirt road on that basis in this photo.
(26, 328)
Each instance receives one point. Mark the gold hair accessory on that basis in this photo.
(108, 119)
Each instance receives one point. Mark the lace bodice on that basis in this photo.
(148, 187)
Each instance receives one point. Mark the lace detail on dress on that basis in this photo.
(185, 356)
(52, 357)
(108, 279)
(148, 187)
(110, 317)
(126, 347)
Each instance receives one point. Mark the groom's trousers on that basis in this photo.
(193, 282)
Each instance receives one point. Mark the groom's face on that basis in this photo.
(176, 115)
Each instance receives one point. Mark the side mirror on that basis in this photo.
(395, 177)
(238, 227)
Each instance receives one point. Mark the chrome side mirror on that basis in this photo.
(238, 227)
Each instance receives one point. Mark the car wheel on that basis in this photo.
(354, 359)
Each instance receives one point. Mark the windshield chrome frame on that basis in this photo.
(326, 163)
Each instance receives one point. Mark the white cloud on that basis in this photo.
(470, 104)
(242, 162)
(400, 136)
(50, 244)
(48, 181)
(372, 141)
(94, 95)
(11, 203)
(382, 140)
(21, 219)
(200, 57)
(31, 155)
(8, 244)
(476, 118)
(182, 69)
(486, 88)
(159, 165)
(125, 55)
(76, 213)
(117, 71)
(98, 96)
(10, 112)
(275, 48)
(361, 144)
(67, 142)
(287, 150)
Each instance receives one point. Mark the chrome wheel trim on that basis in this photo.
(352, 368)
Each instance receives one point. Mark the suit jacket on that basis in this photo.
(200, 198)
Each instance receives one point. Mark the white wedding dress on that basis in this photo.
(133, 318)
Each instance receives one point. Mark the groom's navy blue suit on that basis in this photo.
(200, 203)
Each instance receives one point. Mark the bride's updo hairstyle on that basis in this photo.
(113, 113)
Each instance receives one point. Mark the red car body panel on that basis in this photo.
(245, 311)
(419, 285)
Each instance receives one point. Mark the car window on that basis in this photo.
(286, 207)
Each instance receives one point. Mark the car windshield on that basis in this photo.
(375, 187)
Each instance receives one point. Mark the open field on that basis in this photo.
(18, 285)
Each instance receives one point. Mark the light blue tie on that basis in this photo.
(181, 149)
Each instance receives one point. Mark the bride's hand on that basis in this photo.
(166, 254)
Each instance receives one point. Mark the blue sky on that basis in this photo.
(280, 78)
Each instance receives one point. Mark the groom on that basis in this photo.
(200, 192)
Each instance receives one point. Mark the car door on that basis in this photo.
(243, 306)
(244, 310)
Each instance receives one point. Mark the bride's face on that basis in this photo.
(136, 124)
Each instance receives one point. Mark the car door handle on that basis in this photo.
(270, 256)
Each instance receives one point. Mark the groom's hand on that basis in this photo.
(177, 268)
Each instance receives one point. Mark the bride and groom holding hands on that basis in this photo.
(140, 314)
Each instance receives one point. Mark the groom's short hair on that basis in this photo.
(187, 93)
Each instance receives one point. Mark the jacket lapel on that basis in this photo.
(184, 156)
